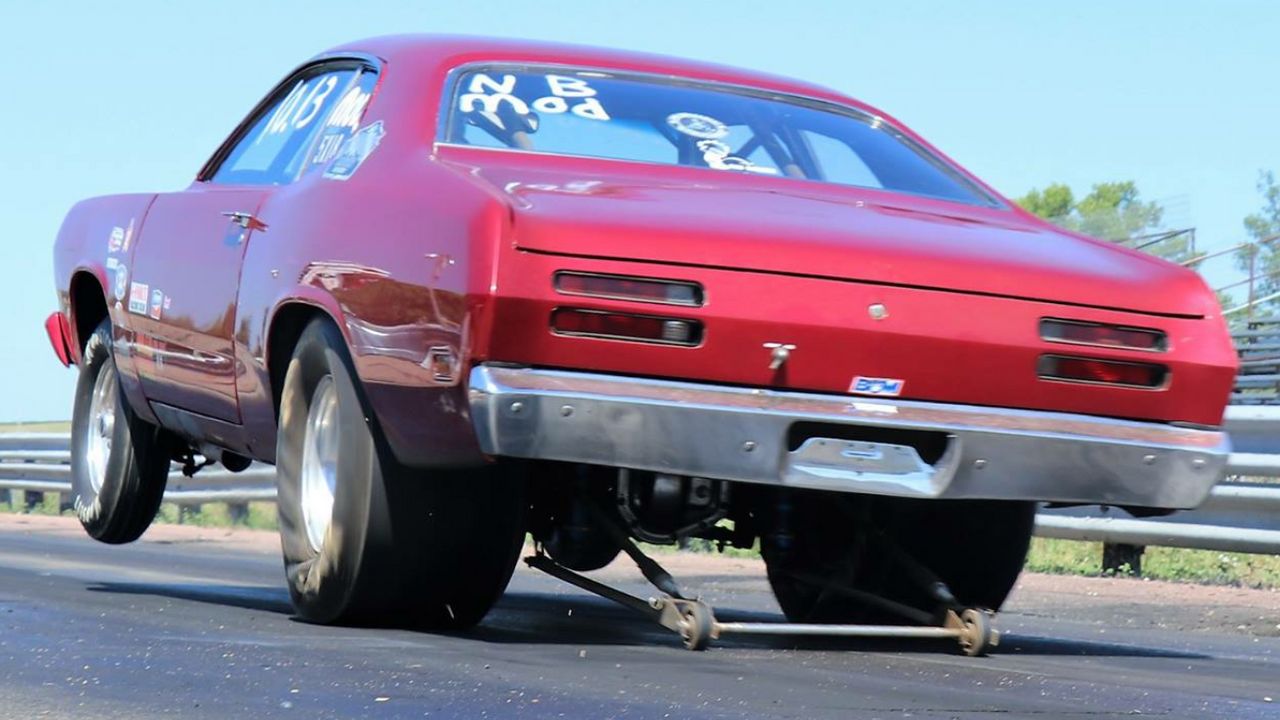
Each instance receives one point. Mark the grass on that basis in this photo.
(57, 426)
(1070, 557)
(1207, 567)
(1060, 557)
(698, 545)
(260, 516)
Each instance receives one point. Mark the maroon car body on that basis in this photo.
(439, 262)
(476, 278)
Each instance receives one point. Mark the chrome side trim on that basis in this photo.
(740, 434)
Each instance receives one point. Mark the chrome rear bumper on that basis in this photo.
(741, 434)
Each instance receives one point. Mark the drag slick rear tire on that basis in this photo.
(119, 463)
(976, 547)
(367, 541)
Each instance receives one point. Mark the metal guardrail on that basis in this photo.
(1239, 516)
(1257, 343)
(41, 463)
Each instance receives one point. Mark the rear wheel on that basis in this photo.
(119, 464)
(976, 547)
(365, 539)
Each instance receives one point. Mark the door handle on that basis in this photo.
(244, 220)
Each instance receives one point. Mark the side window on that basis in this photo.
(341, 123)
(271, 152)
(839, 163)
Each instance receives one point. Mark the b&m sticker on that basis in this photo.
(891, 387)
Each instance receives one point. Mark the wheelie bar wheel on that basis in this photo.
(975, 632)
(697, 625)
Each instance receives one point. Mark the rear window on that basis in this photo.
(678, 122)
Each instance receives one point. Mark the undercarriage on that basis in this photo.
(839, 564)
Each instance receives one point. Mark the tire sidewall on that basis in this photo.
(406, 547)
(135, 474)
(323, 583)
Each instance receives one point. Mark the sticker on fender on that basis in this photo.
(120, 277)
(138, 295)
(891, 387)
(158, 302)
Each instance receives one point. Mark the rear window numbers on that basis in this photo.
(693, 123)
(568, 94)
(328, 146)
(342, 122)
(303, 130)
(300, 106)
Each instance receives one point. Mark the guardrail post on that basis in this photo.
(1122, 559)
(238, 512)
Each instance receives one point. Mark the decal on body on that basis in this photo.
(115, 240)
(128, 236)
(158, 302)
(138, 298)
(891, 387)
(119, 277)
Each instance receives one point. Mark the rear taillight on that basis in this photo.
(1103, 372)
(619, 287)
(1116, 336)
(625, 326)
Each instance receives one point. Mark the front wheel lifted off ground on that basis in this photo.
(119, 463)
(367, 540)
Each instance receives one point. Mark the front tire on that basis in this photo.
(366, 540)
(119, 464)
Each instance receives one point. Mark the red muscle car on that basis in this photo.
(457, 290)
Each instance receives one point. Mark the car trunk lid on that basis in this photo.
(686, 216)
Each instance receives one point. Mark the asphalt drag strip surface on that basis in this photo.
(196, 623)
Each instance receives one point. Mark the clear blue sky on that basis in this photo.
(1180, 96)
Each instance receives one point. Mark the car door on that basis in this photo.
(186, 269)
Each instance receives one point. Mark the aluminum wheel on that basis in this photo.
(101, 426)
(320, 461)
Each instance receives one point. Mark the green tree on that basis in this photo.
(1265, 223)
(1055, 203)
(1112, 211)
(1262, 259)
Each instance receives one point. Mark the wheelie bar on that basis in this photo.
(696, 623)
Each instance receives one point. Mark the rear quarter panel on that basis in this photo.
(85, 249)
(400, 256)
